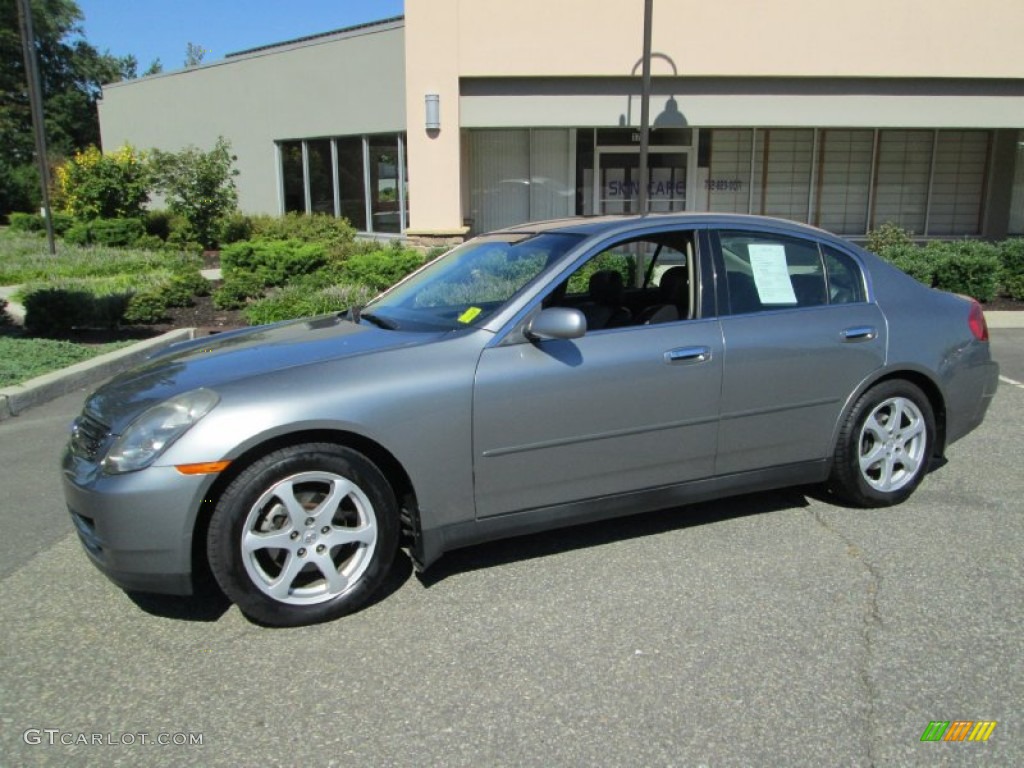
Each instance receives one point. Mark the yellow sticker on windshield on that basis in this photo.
(470, 315)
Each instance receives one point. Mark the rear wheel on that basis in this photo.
(885, 446)
(305, 534)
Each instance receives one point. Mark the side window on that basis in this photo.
(845, 282)
(633, 282)
(766, 272)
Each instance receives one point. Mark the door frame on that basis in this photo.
(690, 151)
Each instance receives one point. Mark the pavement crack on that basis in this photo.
(870, 625)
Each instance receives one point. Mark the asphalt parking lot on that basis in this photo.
(768, 630)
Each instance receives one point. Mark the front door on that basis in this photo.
(617, 182)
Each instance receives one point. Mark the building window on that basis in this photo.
(785, 157)
(519, 175)
(351, 181)
(360, 178)
(385, 182)
(321, 176)
(728, 185)
(958, 183)
(844, 181)
(901, 179)
(292, 174)
(1017, 199)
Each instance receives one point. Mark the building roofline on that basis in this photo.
(390, 22)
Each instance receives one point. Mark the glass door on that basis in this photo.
(617, 182)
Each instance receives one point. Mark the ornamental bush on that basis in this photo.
(1011, 257)
(198, 186)
(968, 267)
(382, 268)
(335, 235)
(93, 185)
(113, 233)
(271, 262)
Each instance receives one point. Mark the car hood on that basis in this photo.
(229, 357)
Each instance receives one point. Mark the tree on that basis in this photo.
(194, 55)
(71, 73)
(199, 186)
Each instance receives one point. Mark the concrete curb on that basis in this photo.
(20, 397)
(1005, 319)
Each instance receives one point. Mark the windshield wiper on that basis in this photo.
(357, 314)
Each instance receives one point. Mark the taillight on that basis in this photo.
(976, 320)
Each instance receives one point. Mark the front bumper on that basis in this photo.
(136, 527)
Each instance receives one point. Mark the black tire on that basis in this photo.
(329, 508)
(885, 446)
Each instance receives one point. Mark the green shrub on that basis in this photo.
(1011, 257)
(272, 262)
(235, 228)
(116, 233)
(913, 260)
(78, 234)
(967, 267)
(55, 309)
(297, 301)
(199, 186)
(26, 222)
(888, 236)
(149, 243)
(335, 235)
(146, 307)
(193, 281)
(381, 269)
(158, 224)
(34, 222)
(113, 233)
(94, 185)
(237, 290)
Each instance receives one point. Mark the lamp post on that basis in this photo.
(35, 99)
(645, 108)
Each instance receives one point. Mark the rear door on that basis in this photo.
(799, 338)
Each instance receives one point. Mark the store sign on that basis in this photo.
(630, 189)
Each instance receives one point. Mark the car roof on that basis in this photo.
(610, 225)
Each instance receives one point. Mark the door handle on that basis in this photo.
(859, 333)
(688, 355)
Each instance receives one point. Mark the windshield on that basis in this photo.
(469, 284)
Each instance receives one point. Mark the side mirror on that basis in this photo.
(556, 323)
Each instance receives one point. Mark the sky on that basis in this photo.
(151, 29)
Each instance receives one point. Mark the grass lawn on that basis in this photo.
(24, 359)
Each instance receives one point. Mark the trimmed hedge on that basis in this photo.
(969, 267)
(53, 310)
(33, 222)
(113, 233)
(272, 262)
(1011, 257)
(381, 269)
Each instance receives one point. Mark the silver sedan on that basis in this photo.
(537, 377)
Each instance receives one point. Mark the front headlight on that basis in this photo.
(154, 431)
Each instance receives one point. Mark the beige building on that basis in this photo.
(468, 115)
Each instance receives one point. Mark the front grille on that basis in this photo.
(87, 436)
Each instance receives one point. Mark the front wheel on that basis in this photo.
(303, 535)
(884, 447)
